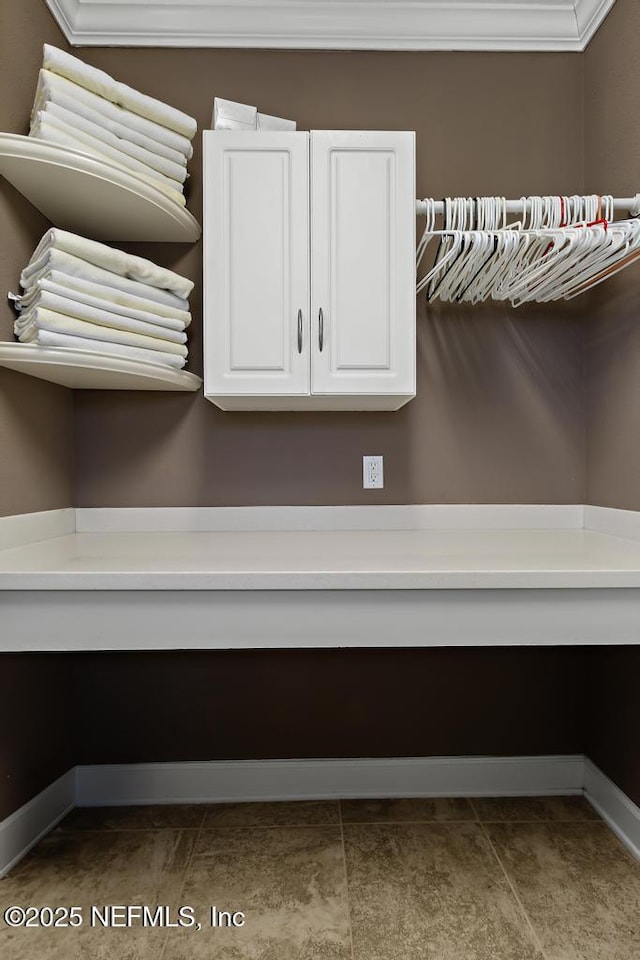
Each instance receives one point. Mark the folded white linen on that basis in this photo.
(106, 150)
(74, 121)
(122, 122)
(48, 128)
(106, 298)
(43, 319)
(124, 264)
(105, 86)
(47, 338)
(72, 266)
(53, 300)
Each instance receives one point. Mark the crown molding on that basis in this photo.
(527, 25)
(589, 16)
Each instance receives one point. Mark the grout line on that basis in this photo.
(400, 823)
(526, 916)
(270, 826)
(111, 830)
(179, 898)
(544, 820)
(346, 878)
(313, 826)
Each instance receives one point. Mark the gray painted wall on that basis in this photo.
(36, 427)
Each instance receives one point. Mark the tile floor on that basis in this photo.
(505, 879)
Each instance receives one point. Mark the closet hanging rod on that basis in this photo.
(632, 204)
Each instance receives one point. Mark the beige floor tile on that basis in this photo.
(88, 869)
(152, 817)
(579, 886)
(431, 892)
(297, 814)
(418, 809)
(533, 808)
(289, 883)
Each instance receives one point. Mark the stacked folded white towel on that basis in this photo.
(78, 106)
(84, 294)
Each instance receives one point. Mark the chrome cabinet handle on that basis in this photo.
(321, 330)
(299, 331)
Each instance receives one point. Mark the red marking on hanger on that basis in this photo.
(563, 213)
(595, 223)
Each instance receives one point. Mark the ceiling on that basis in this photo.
(334, 24)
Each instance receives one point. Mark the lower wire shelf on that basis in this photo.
(93, 370)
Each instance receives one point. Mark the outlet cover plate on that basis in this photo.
(372, 473)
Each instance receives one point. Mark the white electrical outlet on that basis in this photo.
(372, 473)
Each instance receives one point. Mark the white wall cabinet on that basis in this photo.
(309, 270)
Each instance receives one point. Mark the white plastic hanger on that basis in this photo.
(560, 247)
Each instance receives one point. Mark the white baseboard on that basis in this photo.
(23, 528)
(22, 829)
(263, 780)
(614, 806)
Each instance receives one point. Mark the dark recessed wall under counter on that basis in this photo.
(58, 710)
(38, 724)
(256, 704)
(613, 715)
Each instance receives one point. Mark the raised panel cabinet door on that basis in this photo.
(363, 262)
(256, 263)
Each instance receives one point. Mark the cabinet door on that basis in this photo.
(256, 263)
(363, 262)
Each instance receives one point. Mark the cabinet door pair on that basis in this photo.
(309, 269)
